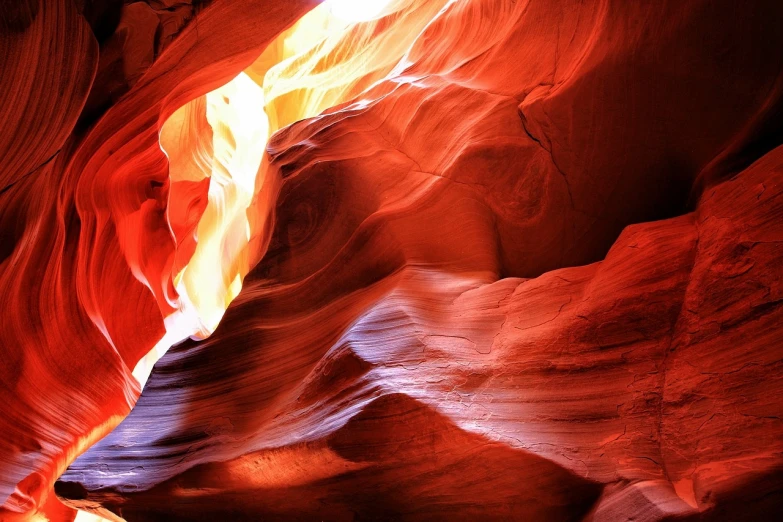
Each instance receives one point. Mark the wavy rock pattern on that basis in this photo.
(647, 393)
(86, 224)
(525, 265)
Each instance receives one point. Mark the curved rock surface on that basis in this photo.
(500, 260)
(87, 251)
(647, 383)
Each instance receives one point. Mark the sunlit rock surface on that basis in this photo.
(87, 251)
(482, 259)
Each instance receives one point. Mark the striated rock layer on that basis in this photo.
(644, 386)
(87, 255)
(499, 260)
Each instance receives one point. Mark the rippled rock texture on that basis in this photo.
(511, 260)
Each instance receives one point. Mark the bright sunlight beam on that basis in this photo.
(356, 10)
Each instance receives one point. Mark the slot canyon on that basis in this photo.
(391, 260)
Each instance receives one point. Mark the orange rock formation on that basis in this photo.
(430, 259)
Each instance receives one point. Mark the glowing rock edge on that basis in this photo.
(411, 259)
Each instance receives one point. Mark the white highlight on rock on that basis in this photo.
(357, 10)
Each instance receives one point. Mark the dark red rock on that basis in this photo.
(578, 366)
(82, 218)
(532, 272)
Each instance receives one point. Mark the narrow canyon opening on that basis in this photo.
(221, 194)
(218, 140)
(392, 259)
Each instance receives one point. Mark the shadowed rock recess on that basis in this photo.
(391, 260)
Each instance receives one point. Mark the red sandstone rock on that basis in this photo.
(601, 370)
(86, 224)
(451, 316)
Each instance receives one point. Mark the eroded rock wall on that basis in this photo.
(533, 272)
